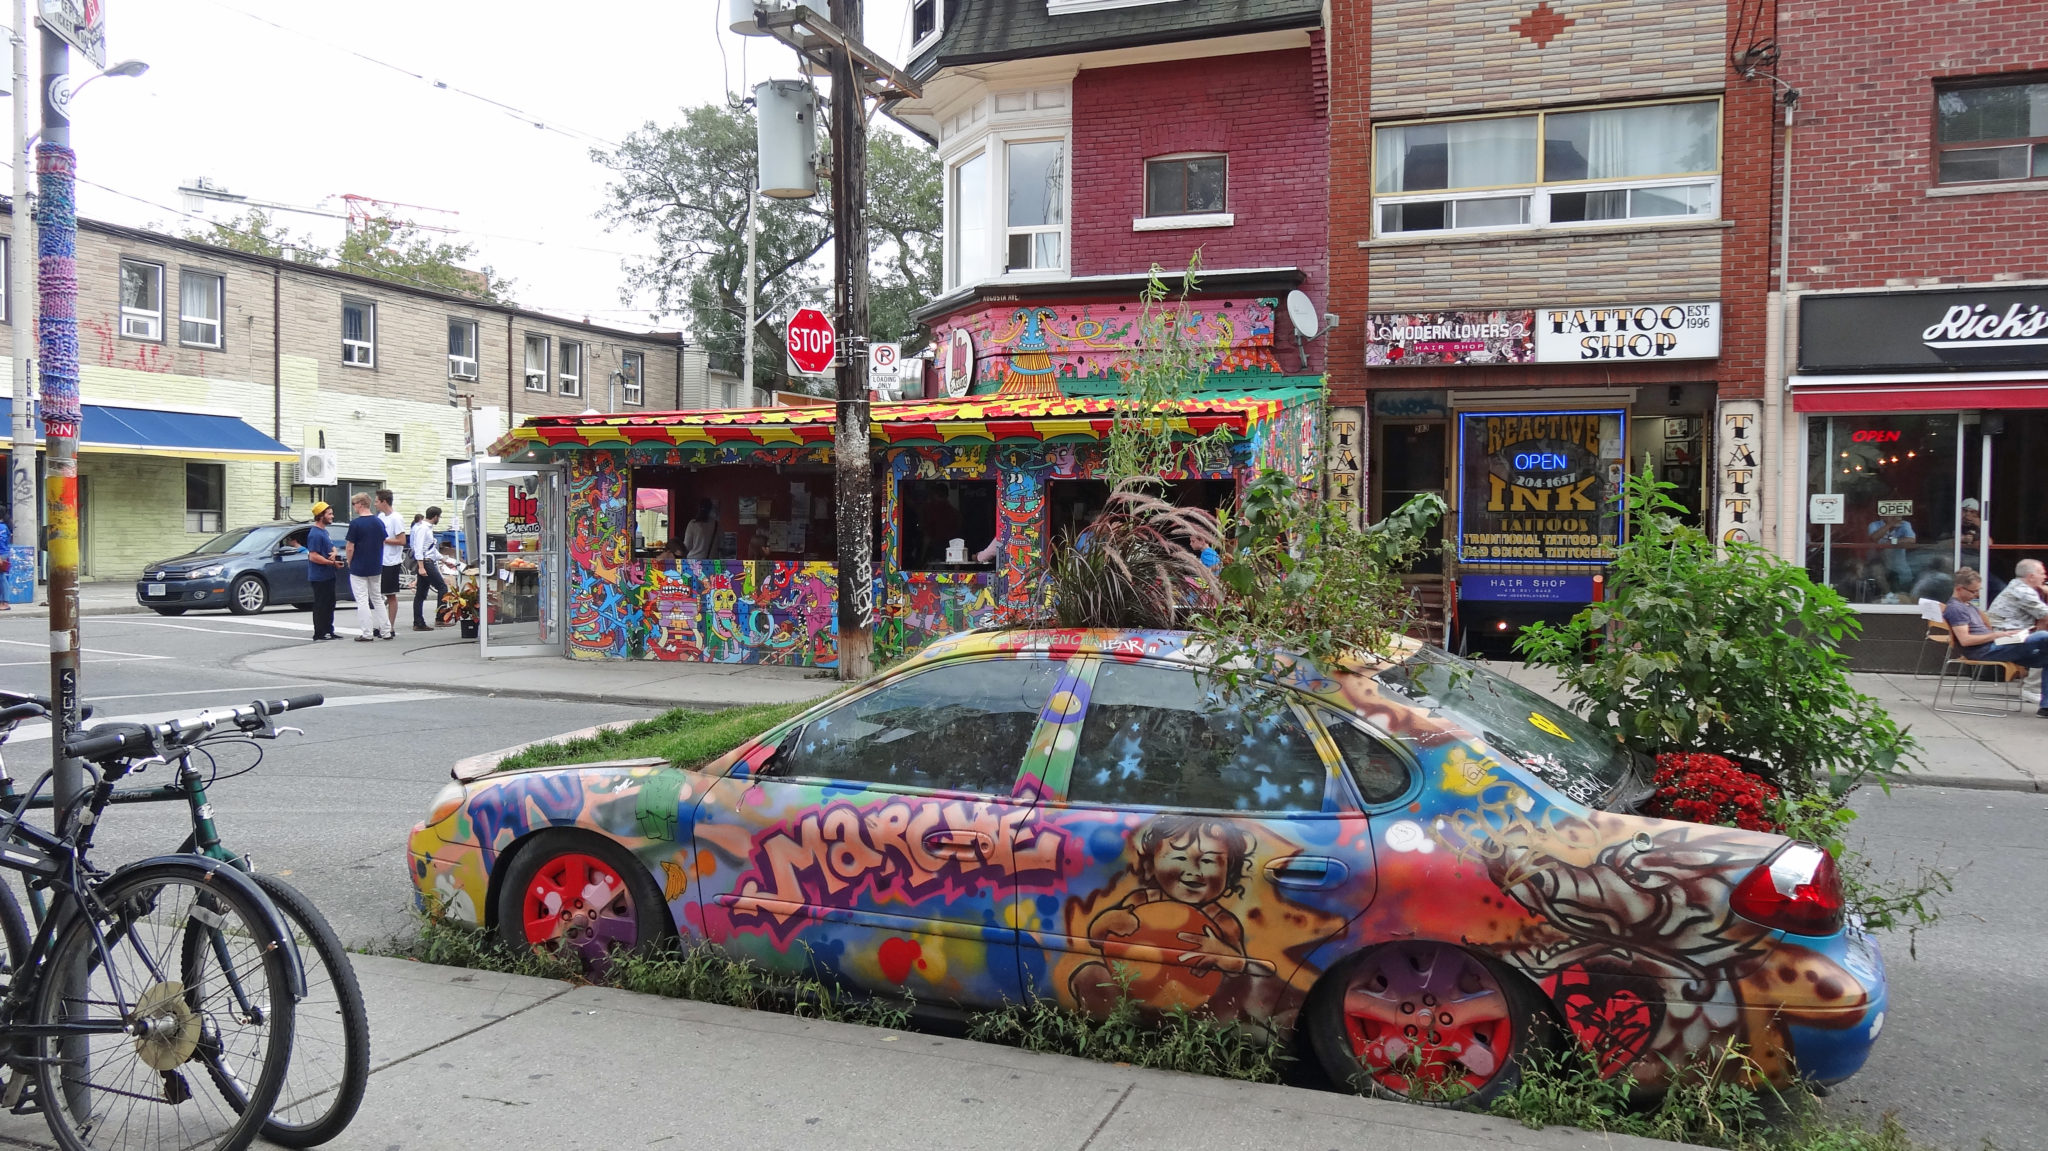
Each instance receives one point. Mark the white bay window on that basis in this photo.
(1571, 167)
(971, 256)
(1007, 189)
(1037, 206)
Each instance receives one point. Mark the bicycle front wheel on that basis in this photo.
(184, 1020)
(330, 1031)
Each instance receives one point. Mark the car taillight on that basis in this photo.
(1797, 890)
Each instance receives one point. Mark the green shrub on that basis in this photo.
(680, 735)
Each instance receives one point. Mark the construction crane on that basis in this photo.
(358, 209)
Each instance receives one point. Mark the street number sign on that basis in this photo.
(812, 343)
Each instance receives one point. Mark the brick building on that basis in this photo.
(1918, 285)
(1549, 227)
(309, 358)
(1084, 143)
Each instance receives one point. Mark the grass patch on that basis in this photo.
(1177, 1040)
(680, 735)
(1710, 1107)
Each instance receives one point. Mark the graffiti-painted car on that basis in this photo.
(1426, 869)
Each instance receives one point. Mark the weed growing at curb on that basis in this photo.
(1712, 1105)
(680, 735)
(1176, 1041)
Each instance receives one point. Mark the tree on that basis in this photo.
(685, 186)
(394, 250)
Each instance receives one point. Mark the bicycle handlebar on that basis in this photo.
(128, 740)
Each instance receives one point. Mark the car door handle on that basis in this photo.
(959, 844)
(1307, 871)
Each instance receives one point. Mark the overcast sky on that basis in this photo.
(275, 100)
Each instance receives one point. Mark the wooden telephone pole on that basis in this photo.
(855, 485)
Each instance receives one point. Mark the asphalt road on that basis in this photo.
(1963, 1059)
(328, 810)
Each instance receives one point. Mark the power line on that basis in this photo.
(510, 110)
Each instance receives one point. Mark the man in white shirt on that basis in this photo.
(2020, 606)
(394, 559)
(426, 554)
(700, 533)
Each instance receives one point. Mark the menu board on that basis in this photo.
(1539, 487)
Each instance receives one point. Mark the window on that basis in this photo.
(461, 349)
(1036, 216)
(572, 368)
(6, 279)
(927, 20)
(142, 300)
(962, 727)
(391, 441)
(1158, 737)
(729, 394)
(458, 469)
(536, 362)
(1992, 132)
(1186, 185)
(1378, 770)
(358, 334)
(199, 305)
(1645, 162)
(630, 364)
(1902, 513)
(205, 497)
(970, 262)
(937, 512)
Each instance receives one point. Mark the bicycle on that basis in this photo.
(330, 1062)
(98, 1036)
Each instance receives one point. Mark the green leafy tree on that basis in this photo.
(685, 187)
(394, 250)
(257, 232)
(1701, 646)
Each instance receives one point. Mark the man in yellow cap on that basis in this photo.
(320, 550)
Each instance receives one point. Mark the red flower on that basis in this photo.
(1706, 788)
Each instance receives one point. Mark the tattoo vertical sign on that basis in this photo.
(1739, 505)
(1343, 469)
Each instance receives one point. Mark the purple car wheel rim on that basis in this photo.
(578, 903)
(1428, 1018)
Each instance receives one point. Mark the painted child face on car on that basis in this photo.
(1191, 869)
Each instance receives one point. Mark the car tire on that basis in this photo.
(168, 610)
(540, 904)
(247, 596)
(1375, 1024)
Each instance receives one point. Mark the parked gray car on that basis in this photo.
(244, 571)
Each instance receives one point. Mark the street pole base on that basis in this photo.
(856, 656)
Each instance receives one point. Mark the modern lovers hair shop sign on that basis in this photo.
(1539, 487)
(1557, 334)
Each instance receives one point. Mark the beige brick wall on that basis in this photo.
(1430, 58)
(1524, 271)
(135, 505)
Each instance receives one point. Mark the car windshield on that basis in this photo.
(1546, 738)
(239, 540)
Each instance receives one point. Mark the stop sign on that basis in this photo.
(811, 342)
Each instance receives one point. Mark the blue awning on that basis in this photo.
(155, 432)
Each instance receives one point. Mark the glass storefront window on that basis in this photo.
(1897, 475)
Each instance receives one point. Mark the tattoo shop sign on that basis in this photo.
(1539, 487)
(1553, 334)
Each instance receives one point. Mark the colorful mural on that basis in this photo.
(603, 602)
(1046, 349)
(735, 611)
(1433, 879)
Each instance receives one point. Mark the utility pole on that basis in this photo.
(21, 466)
(57, 359)
(753, 291)
(856, 478)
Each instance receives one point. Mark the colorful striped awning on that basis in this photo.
(992, 419)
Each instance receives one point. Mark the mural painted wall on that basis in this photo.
(1085, 349)
(1386, 846)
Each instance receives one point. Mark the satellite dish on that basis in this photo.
(1307, 321)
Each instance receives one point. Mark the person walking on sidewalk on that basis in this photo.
(426, 556)
(320, 554)
(364, 556)
(394, 559)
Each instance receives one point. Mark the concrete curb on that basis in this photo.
(486, 761)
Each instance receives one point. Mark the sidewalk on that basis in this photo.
(106, 597)
(2005, 753)
(468, 1059)
(439, 661)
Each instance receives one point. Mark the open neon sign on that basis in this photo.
(1541, 462)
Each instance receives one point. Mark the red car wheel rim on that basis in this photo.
(1428, 1020)
(580, 903)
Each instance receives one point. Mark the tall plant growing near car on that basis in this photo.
(1724, 648)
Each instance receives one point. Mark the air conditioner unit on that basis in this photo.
(318, 467)
(461, 368)
(139, 327)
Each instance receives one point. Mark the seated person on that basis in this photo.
(2020, 605)
(1978, 639)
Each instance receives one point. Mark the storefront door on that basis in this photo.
(520, 511)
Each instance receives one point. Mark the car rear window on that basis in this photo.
(1546, 738)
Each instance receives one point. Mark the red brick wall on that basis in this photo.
(1263, 109)
(1863, 152)
(1747, 203)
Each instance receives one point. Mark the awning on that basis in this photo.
(1919, 392)
(109, 430)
